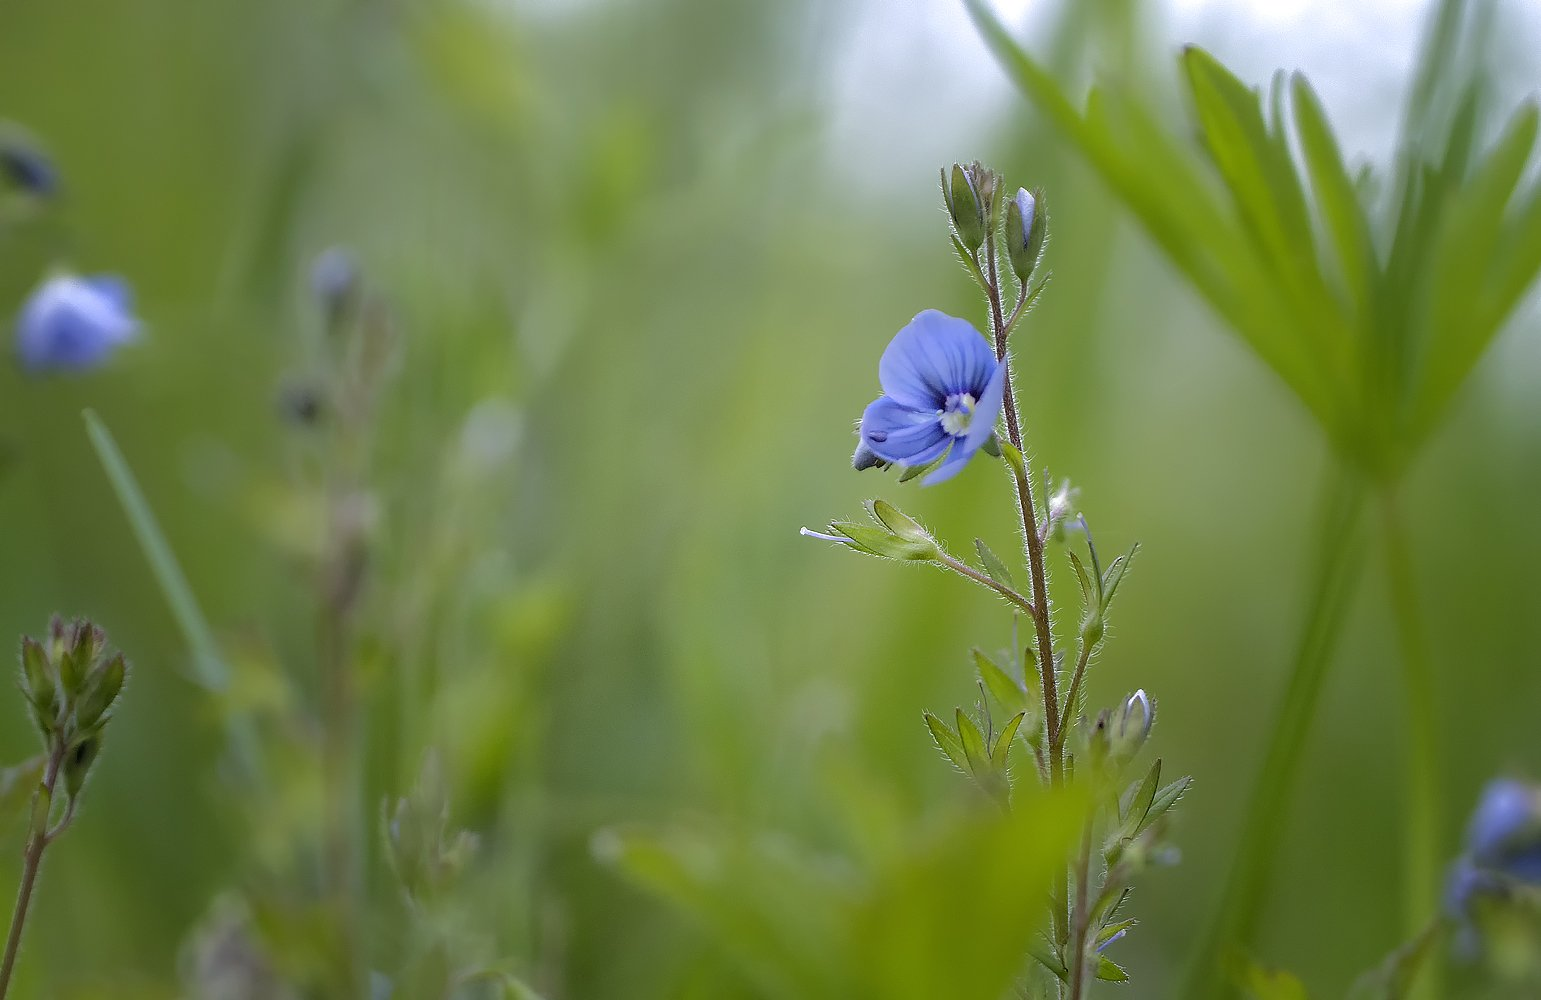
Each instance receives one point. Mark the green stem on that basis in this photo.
(1082, 914)
(1423, 775)
(1331, 585)
(37, 841)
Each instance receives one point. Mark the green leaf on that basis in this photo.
(1142, 797)
(1337, 202)
(1165, 800)
(993, 567)
(1011, 695)
(1085, 581)
(1110, 971)
(947, 741)
(16, 785)
(1002, 749)
(973, 745)
(1115, 575)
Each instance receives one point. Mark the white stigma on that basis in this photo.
(958, 415)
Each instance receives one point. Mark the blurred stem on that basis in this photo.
(1073, 691)
(1082, 917)
(1423, 775)
(32, 860)
(1332, 581)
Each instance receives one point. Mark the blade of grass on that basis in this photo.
(209, 667)
(1332, 584)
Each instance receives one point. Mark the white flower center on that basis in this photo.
(958, 415)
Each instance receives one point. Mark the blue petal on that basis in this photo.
(933, 357)
(898, 433)
(114, 289)
(987, 410)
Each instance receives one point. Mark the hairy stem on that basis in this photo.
(1071, 692)
(1032, 540)
(1331, 585)
(964, 569)
(1423, 777)
(32, 860)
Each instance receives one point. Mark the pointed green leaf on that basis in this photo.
(1002, 749)
(993, 567)
(973, 745)
(947, 741)
(1110, 971)
(1165, 800)
(1337, 202)
(1006, 691)
(1142, 796)
(1084, 580)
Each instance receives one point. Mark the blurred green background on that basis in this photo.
(642, 257)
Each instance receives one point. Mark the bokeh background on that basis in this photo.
(642, 256)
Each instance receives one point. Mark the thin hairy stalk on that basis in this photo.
(964, 569)
(1423, 773)
(1082, 918)
(1073, 691)
(1331, 585)
(32, 861)
(1030, 536)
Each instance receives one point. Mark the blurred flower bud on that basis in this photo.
(300, 403)
(72, 323)
(102, 689)
(37, 677)
(86, 642)
(334, 281)
(77, 763)
(29, 169)
(965, 206)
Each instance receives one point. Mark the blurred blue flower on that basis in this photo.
(73, 323)
(1505, 831)
(942, 390)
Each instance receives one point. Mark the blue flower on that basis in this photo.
(73, 323)
(942, 390)
(1505, 831)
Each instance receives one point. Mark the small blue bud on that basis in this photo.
(1026, 229)
(74, 323)
(866, 458)
(29, 169)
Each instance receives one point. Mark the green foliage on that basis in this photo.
(810, 926)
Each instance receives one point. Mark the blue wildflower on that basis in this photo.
(942, 389)
(72, 323)
(1505, 831)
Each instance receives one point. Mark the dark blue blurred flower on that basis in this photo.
(29, 170)
(942, 390)
(72, 323)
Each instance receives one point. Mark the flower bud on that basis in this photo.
(77, 763)
(1131, 726)
(965, 206)
(1026, 228)
(102, 689)
(37, 674)
(86, 642)
(334, 281)
(1505, 831)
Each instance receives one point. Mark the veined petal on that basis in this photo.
(933, 357)
(898, 433)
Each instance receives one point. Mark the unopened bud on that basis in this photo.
(77, 763)
(37, 674)
(29, 169)
(102, 689)
(1132, 727)
(965, 205)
